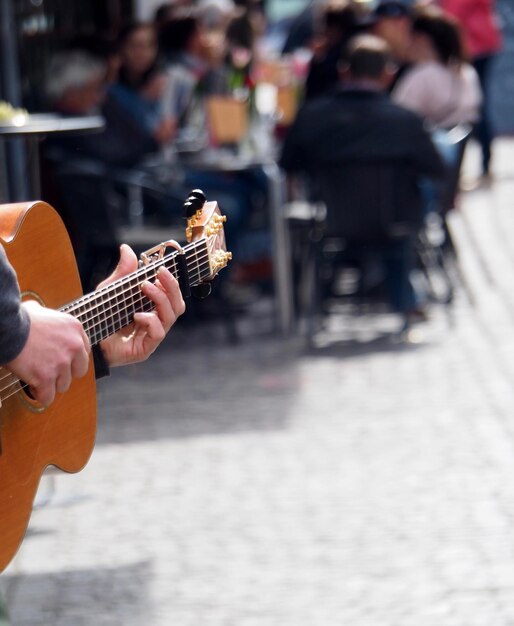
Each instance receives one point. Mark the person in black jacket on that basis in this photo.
(339, 24)
(359, 124)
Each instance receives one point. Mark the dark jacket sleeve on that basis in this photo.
(294, 157)
(14, 321)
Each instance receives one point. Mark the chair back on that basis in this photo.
(451, 145)
(370, 201)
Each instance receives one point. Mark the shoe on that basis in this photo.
(486, 179)
(416, 316)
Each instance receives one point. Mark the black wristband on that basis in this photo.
(101, 366)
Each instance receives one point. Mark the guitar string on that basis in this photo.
(195, 262)
(102, 308)
(14, 380)
(129, 280)
(16, 384)
(133, 290)
(199, 262)
(140, 271)
(135, 297)
(147, 305)
(111, 295)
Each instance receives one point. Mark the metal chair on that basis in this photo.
(436, 252)
(367, 223)
(362, 216)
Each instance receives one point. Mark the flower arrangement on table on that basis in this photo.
(13, 115)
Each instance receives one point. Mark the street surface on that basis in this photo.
(367, 482)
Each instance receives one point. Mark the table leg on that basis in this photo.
(34, 167)
(282, 272)
(17, 172)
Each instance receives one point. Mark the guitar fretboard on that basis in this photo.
(111, 308)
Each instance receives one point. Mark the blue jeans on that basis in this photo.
(398, 259)
(483, 129)
(448, 152)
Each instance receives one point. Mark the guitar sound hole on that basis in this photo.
(29, 400)
(26, 390)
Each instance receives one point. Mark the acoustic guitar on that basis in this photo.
(33, 437)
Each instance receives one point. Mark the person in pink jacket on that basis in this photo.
(483, 40)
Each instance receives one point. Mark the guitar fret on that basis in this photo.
(117, 310)
(193, 259)
(110, 309)
(198, 271)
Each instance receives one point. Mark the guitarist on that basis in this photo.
(47, 348)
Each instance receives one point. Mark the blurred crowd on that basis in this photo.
(157, 73)
(150, 83)
(383, 174)
(153, 81)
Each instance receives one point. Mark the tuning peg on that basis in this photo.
(198, 193)
(194, 202)
(189, 209)
(201, 291)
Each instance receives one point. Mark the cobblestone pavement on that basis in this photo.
(365, 483)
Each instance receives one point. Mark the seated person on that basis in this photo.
(339, 25)
(358, 125)
(77, 165)
(194, 70)
(75, 85)
(141, 81)
(440, 85)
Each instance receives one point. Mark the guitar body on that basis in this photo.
(33, 437)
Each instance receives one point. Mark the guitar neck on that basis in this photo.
(104, 312)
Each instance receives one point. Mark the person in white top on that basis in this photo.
(440, 85)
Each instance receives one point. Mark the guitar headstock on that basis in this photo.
(207, 223)
(197, 263)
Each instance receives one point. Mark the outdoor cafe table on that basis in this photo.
(224, 161)
(35, 126)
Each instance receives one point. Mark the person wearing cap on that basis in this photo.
(391, 20)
